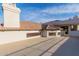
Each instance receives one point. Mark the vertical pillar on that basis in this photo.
(56, 33)
(47, 33)
(69, 29)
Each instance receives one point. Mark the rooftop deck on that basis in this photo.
(33, 47)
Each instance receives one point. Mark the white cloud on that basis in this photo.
(68, 8)
(44, 15)
(41, 17)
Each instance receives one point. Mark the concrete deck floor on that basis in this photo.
(69, 48)
(42, 47)
(14, 46)
(38, 49)
(31, 47)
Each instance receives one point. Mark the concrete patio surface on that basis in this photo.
(31, 47)
(11, 47)
(38, 49)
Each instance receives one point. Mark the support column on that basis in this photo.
(69, 29)
(56, 33)
(47, 33)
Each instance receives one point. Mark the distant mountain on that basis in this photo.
(74, 20)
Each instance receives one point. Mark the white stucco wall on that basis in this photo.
(11, 16)
(13, 36)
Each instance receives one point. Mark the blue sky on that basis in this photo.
(44, 12)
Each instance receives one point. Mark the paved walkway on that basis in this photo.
(69, 48)
(32, 47)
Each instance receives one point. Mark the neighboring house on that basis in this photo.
(50, 30)
(69, 27)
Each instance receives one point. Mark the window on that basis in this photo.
(52, 34)
(59, 33)
(32, 34)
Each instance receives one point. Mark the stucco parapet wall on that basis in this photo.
(10, 8)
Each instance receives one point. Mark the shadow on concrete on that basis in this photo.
(69, 48)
